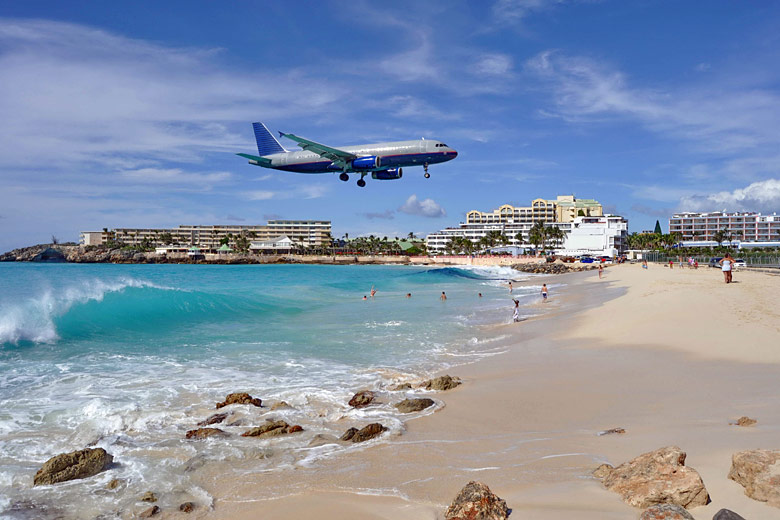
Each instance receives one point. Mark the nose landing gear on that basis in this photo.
(425, 168)
(344, 177)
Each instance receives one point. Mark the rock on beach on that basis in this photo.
(272, 429)
(726, 514)
(757, 471)
(657, 477)
(73, 465)
(204, 433)
(442, 383)
(361, 399)
(476, 502)
(240, 398)
(213, 419)
(414, 405)
(363, 434)
(665, 512)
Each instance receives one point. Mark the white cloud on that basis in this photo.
(260, 195)
(493, 64)
(514, 11)
(307, 191)
(761, 196)
(718, 117)
(175, 176)
(423, 208)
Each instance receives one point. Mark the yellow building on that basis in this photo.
(565, 208)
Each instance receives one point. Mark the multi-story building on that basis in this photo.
(587, 229)
(745, 227)
(306, 232)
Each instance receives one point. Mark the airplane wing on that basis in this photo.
(334, 154)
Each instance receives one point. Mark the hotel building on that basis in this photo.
(304, 232)
(587, 229)
(745, 227)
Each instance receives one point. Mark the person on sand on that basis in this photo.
(516, 313)
(544, 292)
(373, 291)
(727, 264)
(644, 264)
(601, 270)
(443, 296)
(671, 264)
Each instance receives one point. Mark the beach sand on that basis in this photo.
(672, 356)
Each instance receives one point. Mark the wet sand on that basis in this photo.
(671, 356)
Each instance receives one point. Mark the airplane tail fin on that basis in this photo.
(266, 142)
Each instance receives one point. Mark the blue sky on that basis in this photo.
(128, 114)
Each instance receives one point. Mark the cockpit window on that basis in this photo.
(441, 145)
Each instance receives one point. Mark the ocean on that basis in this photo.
(130, 357)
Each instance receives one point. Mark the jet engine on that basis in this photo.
(367, 163)
(388, 175)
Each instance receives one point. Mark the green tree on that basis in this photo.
(657, 229)
(537, 235)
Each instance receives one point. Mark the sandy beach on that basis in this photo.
(672, 356)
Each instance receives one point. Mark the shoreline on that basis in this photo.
(526, 422)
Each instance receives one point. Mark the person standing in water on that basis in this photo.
(443, 296)
(373, 291)
(510, 286)
(544, 292)
(516, 313)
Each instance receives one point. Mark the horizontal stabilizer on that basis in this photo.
(254, 159)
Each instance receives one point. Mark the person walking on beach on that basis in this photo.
(544, 292)
(727, 264)
(601, 270)
(443, 296)
(516, 313)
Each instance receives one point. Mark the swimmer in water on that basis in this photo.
(443, 296)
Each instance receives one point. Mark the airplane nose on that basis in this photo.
(454, 154)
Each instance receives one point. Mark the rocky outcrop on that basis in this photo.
(50, 255)
(725, 514)
(745, 421)
(476, 502)
(73, 465)
(665, 512)
(240, 398)
(363, 434)
(657, 477)
(758, 471)
(272, 429)
(414, 405)
(441, 383)
(204, 433)
(554, 268)
(362, 399)
(213, 419)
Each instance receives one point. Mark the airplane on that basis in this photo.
(384, 161)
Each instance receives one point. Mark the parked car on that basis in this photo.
(714, 261)
(586, 260)
(739, 262)
(605, 259)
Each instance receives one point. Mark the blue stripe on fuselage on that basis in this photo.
(388, 161)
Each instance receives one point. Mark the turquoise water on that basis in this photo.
(130, 357)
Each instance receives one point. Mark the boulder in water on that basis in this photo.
(187, 507)
(414, 405)
(203, 433)
(148, 513)
(73, 465)
(361, 399)
(240, 398)
(368, 432)
(442, 383)
(272, 429)
(213, 419)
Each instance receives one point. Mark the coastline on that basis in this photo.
(526, 422)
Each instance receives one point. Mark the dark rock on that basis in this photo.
(240, 398)
(113, 483)
(368, 432)
(148, 513)
(745, 421)
(203, 433)
(476, 502)
(50, 255)
(348, 434)
(665, 512)
(414, 405)
(756, 471)
(73, 465)
(442, 383)
(361, 399)
(725, 514)
(658, 477)
(213, 419)
(612, 431)
(149, 497)
(187, 507)
(272, 429)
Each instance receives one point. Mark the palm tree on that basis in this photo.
(537, 235)
(719, 236)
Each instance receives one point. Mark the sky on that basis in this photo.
(129, 114)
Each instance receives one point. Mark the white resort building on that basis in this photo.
(303, 232)
(588, 230)
(743, 228)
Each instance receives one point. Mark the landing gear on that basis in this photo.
(344, 177)
(361, 183)
(425, 169)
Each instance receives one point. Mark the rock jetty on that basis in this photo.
(73, 465)
(657, 477)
